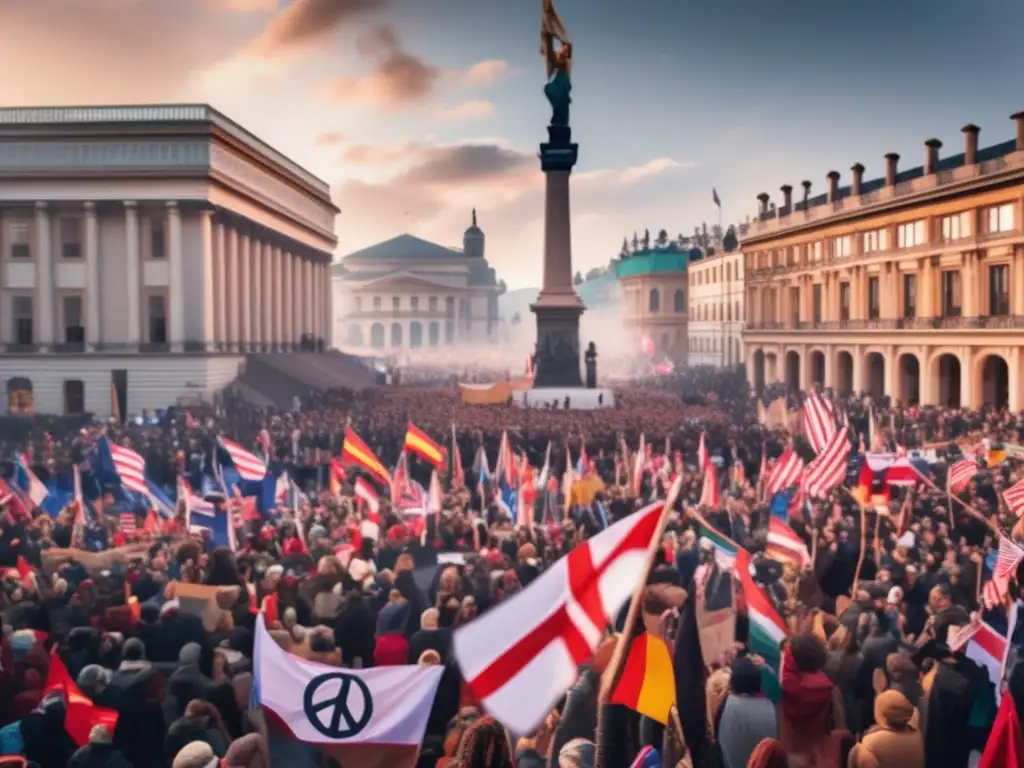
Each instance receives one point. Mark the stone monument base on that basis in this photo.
(580, 398)
(558, 342)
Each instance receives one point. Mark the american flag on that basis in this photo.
(993, 592)
(1014, 498)
(829, 469)
(1007, 559)
(961, 473)
(785, 472)
(249, 466)
(128, 523)
(819, 421)
(130, 467)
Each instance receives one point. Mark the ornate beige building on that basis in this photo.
(145, 250)
(716, 310)
(909, 285)
(654, 300)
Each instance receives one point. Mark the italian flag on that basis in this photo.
(767, 629)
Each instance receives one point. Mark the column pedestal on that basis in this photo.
(558, 307)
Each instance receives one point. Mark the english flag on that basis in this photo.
(382, 707)
(519, 658)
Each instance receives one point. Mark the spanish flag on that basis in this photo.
(416, 441)
(647, 684)
(356, 452)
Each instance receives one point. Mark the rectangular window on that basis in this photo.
(396, 303)
(999, 289)
(874, 300)
(840, 247)
(157, 239)
(21, 247)
(359, 303)
(157, 320)
(876, 240)
(71, 237)
(844, 301)
(434, 334)
(794, 306)
(74, 331)
(911, 234)
(956, 227)
(816, 301)
(432, 303)
(951, 293)
(23, 320)
(909, 297)
(414, 304)
(815, 251)
(1000, 218)
(376, 303)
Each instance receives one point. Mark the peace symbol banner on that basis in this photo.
(321, 704)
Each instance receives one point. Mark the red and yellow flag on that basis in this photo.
(356, 452)
(417, 441)
(647, 684)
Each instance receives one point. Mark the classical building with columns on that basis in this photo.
(654, 299)
(716, 310)
(408, 297)
(909, 285)
(144, 251)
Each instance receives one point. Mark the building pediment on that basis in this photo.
(404, 248)
(407, 281)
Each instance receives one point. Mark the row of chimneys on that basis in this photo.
(931, 163)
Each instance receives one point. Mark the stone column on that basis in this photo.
(176, 277)
(44, 303)
(131, 273)
(288, 296)
(256, 301)
(891, 372)
(314, 300)
(278, 314)
(969, 285)
(231, 290)
(244, 288)
(93, 327)
(221, 288)
(208, 252)
(969, 398)
(302, 297)
(267, 296)
(329, 308)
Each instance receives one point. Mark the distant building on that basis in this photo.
(716, 310)
(407, 294)
(654, 298)
(909, 285)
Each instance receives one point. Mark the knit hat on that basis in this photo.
(92, 675)
(197, 754)
(100, 734)
(22, 641)
(893, 709)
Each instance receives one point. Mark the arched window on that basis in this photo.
(355, 335)
(415, 335)
(434, 334)
(679, 301)
(377, 336)
(655, 300)
(396, 334)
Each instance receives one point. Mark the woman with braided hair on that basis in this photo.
(485, 744)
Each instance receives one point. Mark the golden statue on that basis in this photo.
(558, 60)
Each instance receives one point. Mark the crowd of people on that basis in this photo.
(869, 674)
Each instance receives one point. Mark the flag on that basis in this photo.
(829, 468)
(1005, 744)
(690, 681)
(786, 471)
(365, 492)
(702, 454)
(647, 684)
(785, 545)
(356, 452)
(202, 516)
(819, 421)
(34, 490)
(1008, 559)
(639, 466)
(417, 441)
(709, 497)
(129, 467)
(989, 649)
(715, 198)
(81, 715)
(505, 466)
(545, 472)
(1014, 498)
(330, 706)
(725, 550)
(766, 630)
(458, 473)
(481, 467)
(902, 473)
(521, 656)
(249, 466)
(961, 473)
(865, 482)
(128, 523)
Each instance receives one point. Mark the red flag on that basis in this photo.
(269, 609)
(1005, 744)
(82, 715)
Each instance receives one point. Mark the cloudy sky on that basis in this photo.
(417, 110)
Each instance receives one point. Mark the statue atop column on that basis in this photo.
(559, 62)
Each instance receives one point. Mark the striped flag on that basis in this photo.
(356, 452)
(829, 469)
(647, 684)
(368, 495)
(819, 421)
(1007, 559)
(785, 472)
(458, 473)
(784, 545)
(249, 466)
(702, 454)
(129, 523)
(417, 441)
(989, 649)
(1014, 498)
(130, 468)
(767, 630)
(33, 488)
(994, 591)
(961, 473)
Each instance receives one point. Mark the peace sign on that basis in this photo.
(338, 704)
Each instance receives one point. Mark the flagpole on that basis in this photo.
(625, 640)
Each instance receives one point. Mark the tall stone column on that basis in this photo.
(301, 297)
(208, 252)
(221, 288)
(288, 296)
(44, 277)
(278, 313)
(231, 290)
(131, 274)
(256, 300)
(558, 307)
(245, 291)
(329, 307)
(267, 297)
(176, 277)
(313, 302)
(93, 329)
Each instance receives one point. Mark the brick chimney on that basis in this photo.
(833, 186)
(807, 194)
(763, 200)
(787, 197)
(970, 132)
(1019, 118)
(931, 156)
(891, 160)
(858, 179)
